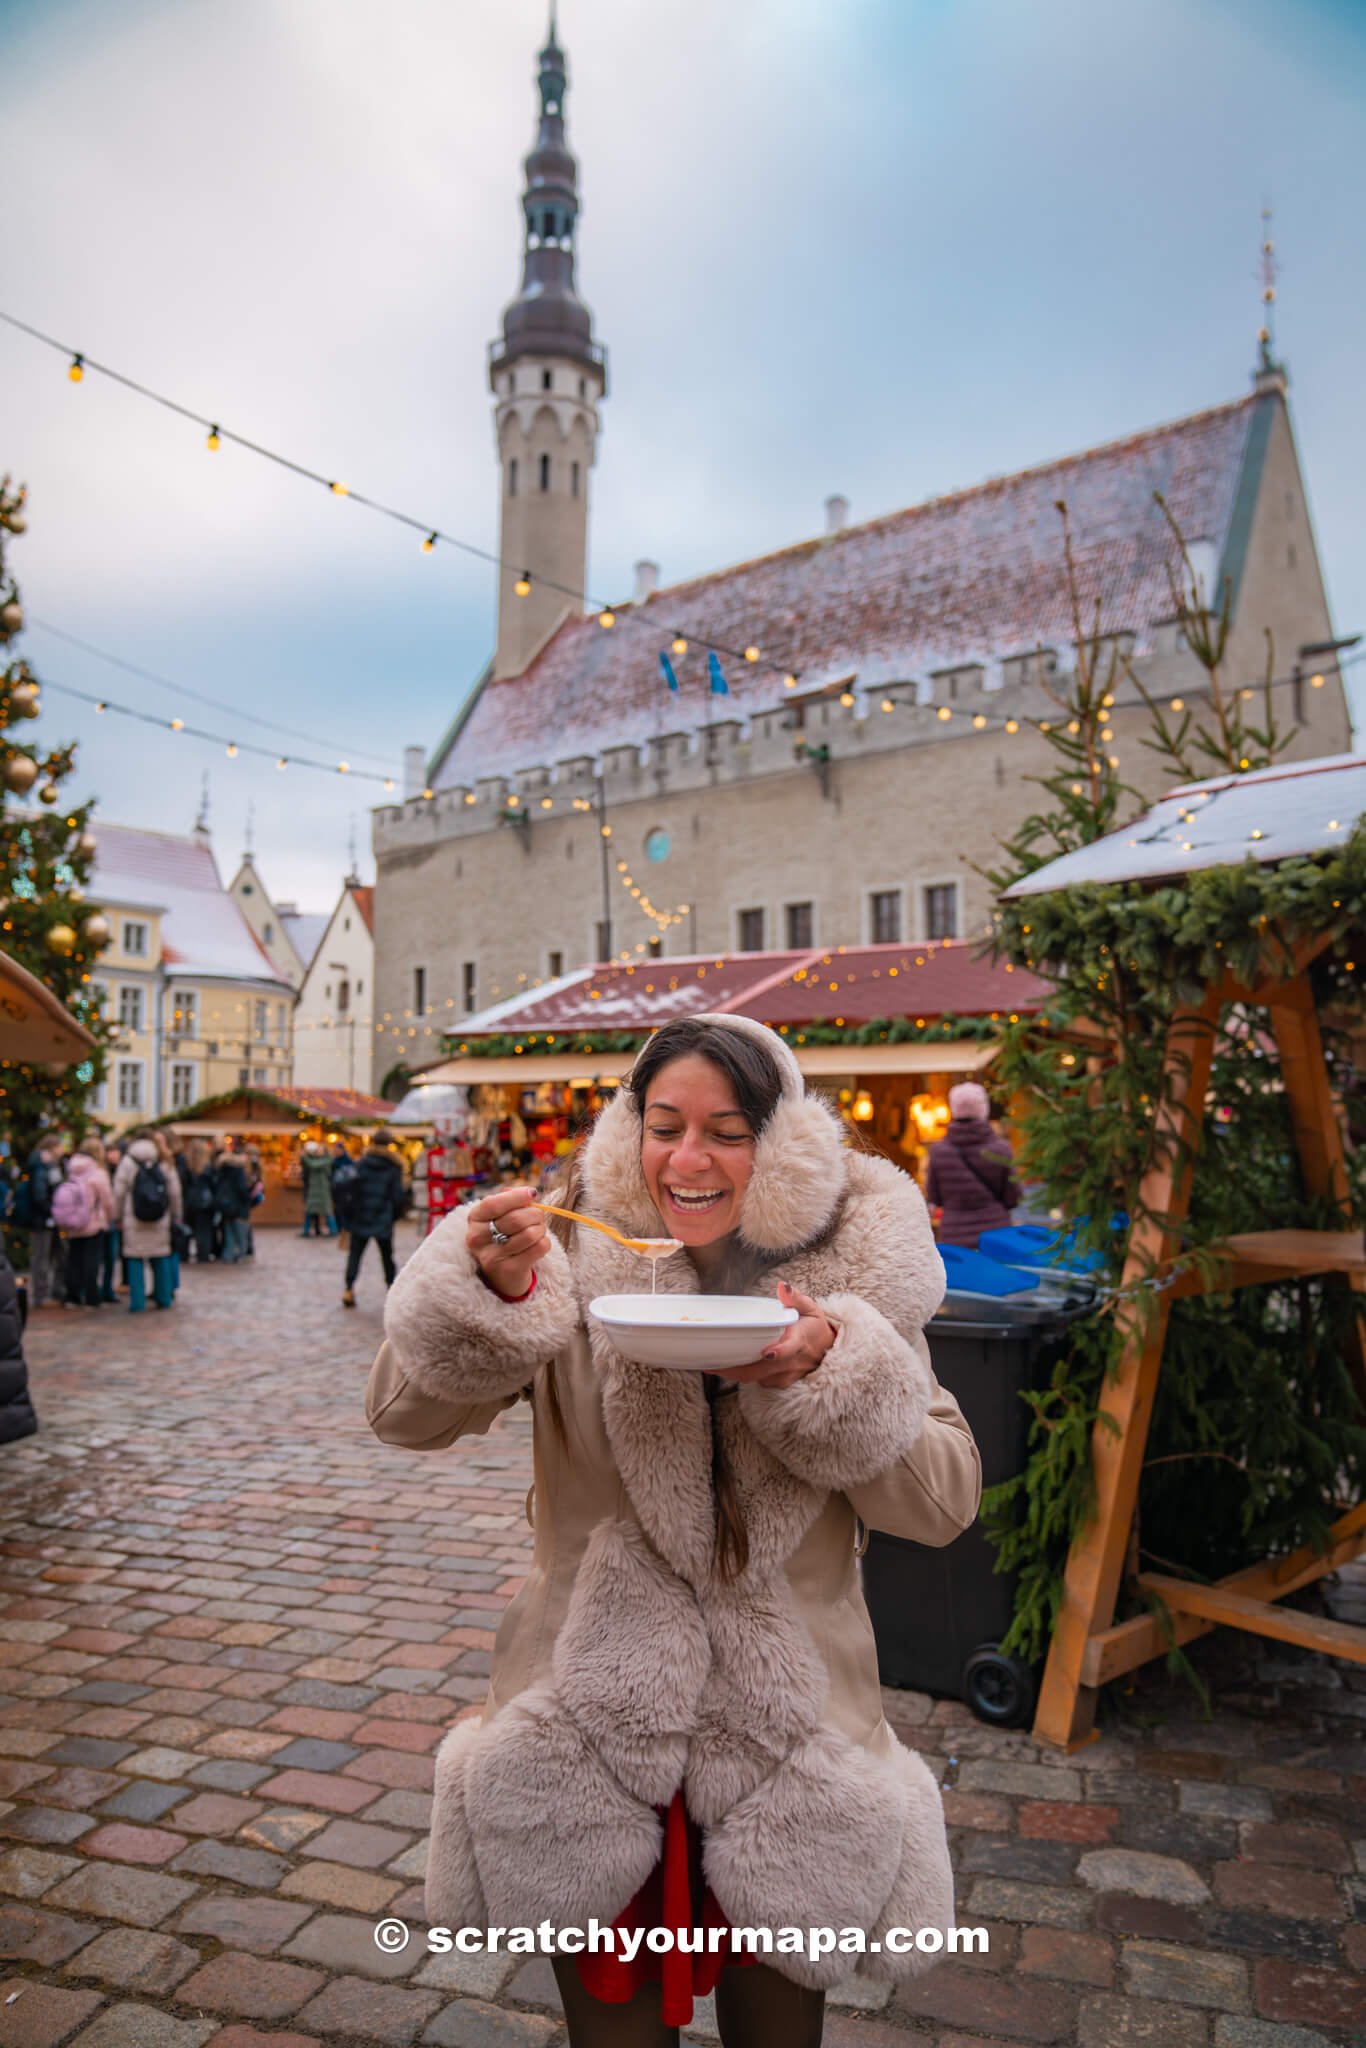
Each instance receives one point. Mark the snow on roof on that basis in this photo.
(202, 929)
(852, 984)
(304, 930)
(973, 576)
(1302, 807)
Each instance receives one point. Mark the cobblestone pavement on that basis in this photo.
(233, 1628)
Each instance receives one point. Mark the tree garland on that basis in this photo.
(1257, 1433)
(877, 1031)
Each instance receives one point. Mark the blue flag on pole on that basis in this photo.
(670, 678)
(719, 686)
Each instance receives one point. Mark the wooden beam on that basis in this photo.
(1095, 1565)
(1113, 1651)
(1258, 1257)
(1259, 1617)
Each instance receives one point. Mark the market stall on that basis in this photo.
(36, 1029)
(276, 1124)
(1295, 820)
(884, 1030)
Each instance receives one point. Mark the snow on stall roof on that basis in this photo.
(202, 929)
(967, 577)
(948, 979)
(1302, 807)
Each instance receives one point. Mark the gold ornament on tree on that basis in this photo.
(49, 793)
(61, 939)
(23, 700)
(20, 773)
(98, 930)
(86, 845)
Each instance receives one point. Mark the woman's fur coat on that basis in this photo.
(662, 1673)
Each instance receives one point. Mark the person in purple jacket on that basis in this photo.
(971, 1179)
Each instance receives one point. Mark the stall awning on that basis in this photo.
(524, 1070)
(35, 1028)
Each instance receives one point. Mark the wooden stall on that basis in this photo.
(275, 1124)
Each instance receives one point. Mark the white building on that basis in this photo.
(335, 1014)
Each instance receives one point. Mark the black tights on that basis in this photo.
(755, 2008)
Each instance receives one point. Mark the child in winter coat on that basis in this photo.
(83, 1208)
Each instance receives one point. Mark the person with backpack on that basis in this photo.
(83, 1210)
(232, 1193)
(971, 1179)
(147, 1197)
(379, 1201)
(33, 1211)
(344, 1176)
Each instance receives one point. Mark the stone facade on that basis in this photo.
(906, 804)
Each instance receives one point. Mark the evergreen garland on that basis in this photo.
(877, 1031)
(1257, 1432)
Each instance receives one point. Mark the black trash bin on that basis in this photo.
(939, 1614)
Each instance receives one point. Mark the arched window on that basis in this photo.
(574, 478)
(545, 472)
(547, 380)
(512, 477)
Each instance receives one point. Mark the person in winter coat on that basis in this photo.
(45, 1246)
(16, 1405)
(143, 1182)
(684, 1695)
(232, 1193)
(343, 1170)
(87, 1186)
(109, 1244)
(201, 1201)
(377, 1202)
(317, 1171)
(971, 1177)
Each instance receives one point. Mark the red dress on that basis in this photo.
(666, 1899)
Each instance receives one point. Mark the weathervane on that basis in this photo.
(1268, 272)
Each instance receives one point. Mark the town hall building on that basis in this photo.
(820, 747)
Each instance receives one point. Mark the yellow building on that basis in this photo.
(201, 1008)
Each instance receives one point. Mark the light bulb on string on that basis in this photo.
(607, 620)
(77, 369)
(680, 645)
(789, 682)
(177, 725)
(212, 441)
(284, 763)
(751, 654)
(522, 586)
(232, 750)
(343, 767)
(429, 543)
(338, 490)
(944, 714)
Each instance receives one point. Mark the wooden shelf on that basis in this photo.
(1219, 1603)
(1261, 1256)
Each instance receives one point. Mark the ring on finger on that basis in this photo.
(498, 1236)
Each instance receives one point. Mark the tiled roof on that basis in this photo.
(972, 576)
(363, 896)
(854, 984)
(340, 1105)
(202, 929)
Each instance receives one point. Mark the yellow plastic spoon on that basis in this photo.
(648, 1247)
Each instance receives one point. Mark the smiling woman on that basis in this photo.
(696, 1534)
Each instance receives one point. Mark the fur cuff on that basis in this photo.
(853, 1417)
(456, 1339)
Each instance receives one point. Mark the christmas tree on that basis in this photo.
(46, 853)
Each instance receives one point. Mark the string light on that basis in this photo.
(847, 699)
(77, 370)
(607, 620)
(680, 645)
(523, 585)
(231, 750)
(944, 714)
(213, 442)
(751, 654)
(789, 682)
(338, 490)
(1178, 703)
(979, 720)
(429, 544)
(177, 724)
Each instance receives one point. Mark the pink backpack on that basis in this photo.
(72, 1207)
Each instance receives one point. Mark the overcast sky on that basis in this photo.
(883, 247)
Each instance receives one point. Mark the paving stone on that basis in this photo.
(133, 1845)
(1049, 1820)
(143, 1800)
(1270, 1888)
(262, 1925)
(402, 1810)
(1150, 1919)
(1038, 1862)
(283, 1830)
(1074, 1958)
(480, 1976)
(1190, 1838)
(534, 1984)
(27, 1873)
(471, 2024)
(413, 1862)
(17, 1775)
(1302, 1991)
(79, 1787)
(88, 1749)
(1149, 1876)
(1018, 2010)
(229, 1774)
(345, 1942)
(253, 1867)
(979, 1810)
(307, 1753)
(116, 1891)
(1044, 1905)
(158, 1761)
(355, 1842)
(335, 1884)
(237, 2036)
(1187, 1976)
(1274, 1934)
(41, 2015)
(30, 1934)
(1110, 2021)
(135, 1960)
(252, 1986)
(51, 1824)
(1223, 1802)
(1236, 2030)
(216, 1813)
(1296, 1843)
(354, 2005)
(313, 1788)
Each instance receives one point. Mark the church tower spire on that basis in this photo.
(547, 375)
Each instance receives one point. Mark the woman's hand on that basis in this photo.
(508, 1268)
(799, 1351)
